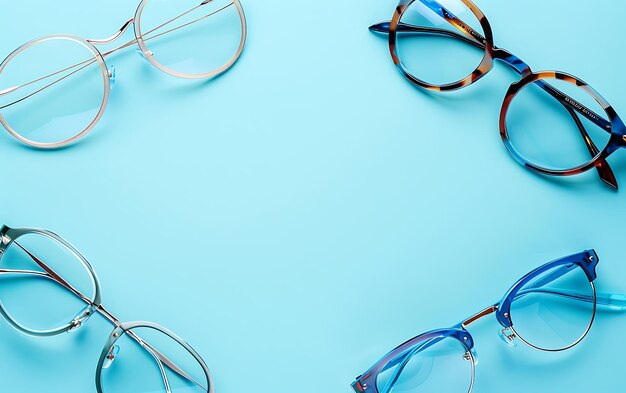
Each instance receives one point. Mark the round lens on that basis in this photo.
(557, 125)
(554, 311)
(31, 296)
(437, 365)
(146, 360)
(191, 38)
(435, 49)
(52, 90)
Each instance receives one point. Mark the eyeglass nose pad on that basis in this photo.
(142, 54)
(111, 71)
(80, 318)
(508, 337)
(471, 354)
(113, 352)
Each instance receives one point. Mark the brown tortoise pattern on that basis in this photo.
(464, 32)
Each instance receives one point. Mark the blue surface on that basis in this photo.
(301, 215)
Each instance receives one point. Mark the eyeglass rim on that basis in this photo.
(481, 70)
(105, 99)
(211, 74)
(587, 261)
(7, 237)
(120, 330)
(616, 140)
(369, 379)
(576, 342)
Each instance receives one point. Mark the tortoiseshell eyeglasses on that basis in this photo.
(54, 89)
(47, 288)
(551, 122)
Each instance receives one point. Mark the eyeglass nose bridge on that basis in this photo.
(115, 36)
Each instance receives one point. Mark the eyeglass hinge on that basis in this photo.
(4, 242)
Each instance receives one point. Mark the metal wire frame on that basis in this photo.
(9, 237)
(98, 57)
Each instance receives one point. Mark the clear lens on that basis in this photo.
(552, 134)
(440, 366)
(31, 297)
(52, 90)
(431, 48)
(547, 316)
(135, 368)
(192, 38)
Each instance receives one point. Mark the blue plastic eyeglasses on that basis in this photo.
(550, 309)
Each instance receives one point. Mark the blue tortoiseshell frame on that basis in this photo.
(586, 260)
(491, 53)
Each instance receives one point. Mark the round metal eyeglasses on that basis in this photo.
(54, 89)
(47, 288)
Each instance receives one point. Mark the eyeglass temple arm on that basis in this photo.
(616, 302)
(604, 169)
(163, 359)
(418, 348)
(86, 63)
(166, 381)
(611, 300)
(49, 273)
(54, 275)
(403, 359)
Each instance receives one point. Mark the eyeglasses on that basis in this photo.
(54, 89)
(551, 308)
(551, 122)
(47, 288)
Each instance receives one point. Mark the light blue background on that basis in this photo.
(309, 210)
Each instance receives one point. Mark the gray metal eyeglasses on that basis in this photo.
(48, 288)
(54, 89)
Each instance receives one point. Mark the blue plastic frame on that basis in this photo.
(587, 260)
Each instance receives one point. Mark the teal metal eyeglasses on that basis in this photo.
(47, 287)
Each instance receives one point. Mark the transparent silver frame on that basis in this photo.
(99, 58)
(9, 237)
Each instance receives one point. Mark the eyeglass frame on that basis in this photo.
(9, 236)
(107, 73)
(615, 125)
(587, 260)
